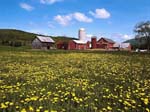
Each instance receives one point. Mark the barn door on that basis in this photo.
(48, 47)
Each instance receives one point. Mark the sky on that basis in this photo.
(114, 19)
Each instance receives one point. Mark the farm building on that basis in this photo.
(102, 43)
(125, 46)
(73, 45)
(122, 46)
(43, 42)
(78, 45)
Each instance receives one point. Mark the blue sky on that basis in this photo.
(113, 19)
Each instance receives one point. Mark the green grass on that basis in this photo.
(73, 81)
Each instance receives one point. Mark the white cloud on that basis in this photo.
(49, 1)
(127, 37)
(64, 20)
(50, 25)
(81, 17)
(100, 13)
(26, 6)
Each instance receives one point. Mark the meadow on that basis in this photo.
(74, 81)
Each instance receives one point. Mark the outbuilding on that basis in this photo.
(43, 42)
(125, 46)
(122, 46)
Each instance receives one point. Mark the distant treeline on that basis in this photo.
(19, 38)
(15, 37)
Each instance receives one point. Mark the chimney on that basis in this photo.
(94, 42)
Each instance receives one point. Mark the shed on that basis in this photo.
(43, 42)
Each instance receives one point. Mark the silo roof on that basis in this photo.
(82, 29)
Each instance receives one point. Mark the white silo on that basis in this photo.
(82, 34)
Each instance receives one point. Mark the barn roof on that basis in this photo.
(79, 41)
(45, 39)
(108, 40)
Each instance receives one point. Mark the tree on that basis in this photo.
(143, 32)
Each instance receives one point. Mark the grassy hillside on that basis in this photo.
(8, 34)
(21, 38)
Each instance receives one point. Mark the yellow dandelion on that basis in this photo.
(31, 108)
(146, 101)
(109, 108)
(147, 110)
(23, 110)
(3, 106)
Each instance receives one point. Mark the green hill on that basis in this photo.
(137, 43)
(16, 38)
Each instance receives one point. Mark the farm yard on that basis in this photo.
(74, 81)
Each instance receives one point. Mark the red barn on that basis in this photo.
(73, 45)
(102, 43)
(78, 45)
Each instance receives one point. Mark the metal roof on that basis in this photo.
(79, 41)
(45, 39)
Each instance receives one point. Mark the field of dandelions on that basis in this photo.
(70, 81)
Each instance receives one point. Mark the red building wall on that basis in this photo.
(76, 46)
(71, 45)
(103, 44)
(81, 46)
